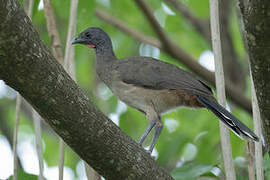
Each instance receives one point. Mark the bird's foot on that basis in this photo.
(140, 143)
(148, 151)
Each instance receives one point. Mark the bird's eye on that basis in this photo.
(87, 35)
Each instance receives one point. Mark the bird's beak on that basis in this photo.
(78, 40)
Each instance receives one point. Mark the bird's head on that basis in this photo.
(93, 37)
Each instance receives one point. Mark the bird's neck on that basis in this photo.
(105, 57)
(105, 54)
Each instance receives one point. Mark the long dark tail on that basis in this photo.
(227, 118)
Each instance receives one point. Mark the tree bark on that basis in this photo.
(256, 17)
(27, 65)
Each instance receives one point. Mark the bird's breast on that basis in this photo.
(160, 100)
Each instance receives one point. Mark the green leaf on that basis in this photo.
(190, 171)
(24, 175)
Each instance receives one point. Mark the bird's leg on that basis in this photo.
(158, 129)
(147, 131)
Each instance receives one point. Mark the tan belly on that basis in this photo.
(161, 100)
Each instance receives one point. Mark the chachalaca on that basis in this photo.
(154, 87)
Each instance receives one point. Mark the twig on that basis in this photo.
(91, 173)
(202, 26)
(180, 55)
(29, 5)
(258, 130)
(232, 68)
(37, 119)
(71, 33)
(15, 135)
(69, 65)
(28, 8)
(57, 50)
(128, 30)
(224, 132)
(169, 45)
(61, 158)
(53, 32)
(67, 61)
(249, 148)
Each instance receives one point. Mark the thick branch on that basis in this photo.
(256, 18)
(232, 68)
(28, 66)
(178, 54)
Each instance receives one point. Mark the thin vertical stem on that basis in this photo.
(57, 52)
(258, 130)
(15, 136)
(37, 127)
(53, 32)
(91, 174)
(71, 33)
(250, 159)
(61, 158)
(28, 8)
(69, 56)
(219, 74)
(29, 5)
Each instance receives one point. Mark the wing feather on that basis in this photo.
(154, 74)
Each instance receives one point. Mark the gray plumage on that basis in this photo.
(154, 74)
(154, 87)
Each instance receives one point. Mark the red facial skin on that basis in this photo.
(91, 45)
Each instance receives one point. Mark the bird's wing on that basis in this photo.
(154, 74)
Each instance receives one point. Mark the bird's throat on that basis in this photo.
(104, 54)
(91, 45)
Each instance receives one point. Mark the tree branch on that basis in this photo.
(202, 26)
(128, 30)
(235, 94)
(53, 32)
(57, 98)
(232, 68)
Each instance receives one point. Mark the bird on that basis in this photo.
(154, 87)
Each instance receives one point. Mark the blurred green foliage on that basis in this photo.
(193, 145)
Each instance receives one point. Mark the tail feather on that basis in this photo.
(227, 118)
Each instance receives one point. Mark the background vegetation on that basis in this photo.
(189, 145)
